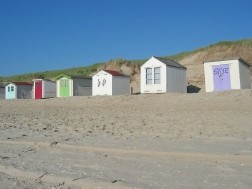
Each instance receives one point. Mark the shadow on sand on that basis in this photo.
(193, 89)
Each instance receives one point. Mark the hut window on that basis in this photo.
(12, 88)
(64, 83)
(8, 89)
(157, 75)
(148, 75)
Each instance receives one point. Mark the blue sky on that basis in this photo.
(43, 35)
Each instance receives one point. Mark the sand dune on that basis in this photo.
(142, 141)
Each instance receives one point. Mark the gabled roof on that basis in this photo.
(73, 76)
(43, 80)
(80, 77)
(169, 62)
(115, 73)
(226, 59)
(21, 83)
(2, 85)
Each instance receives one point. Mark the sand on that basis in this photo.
(151, 141)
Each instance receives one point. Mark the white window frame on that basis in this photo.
(148, 79)
(157, 76)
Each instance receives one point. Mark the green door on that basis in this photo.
(64, 87)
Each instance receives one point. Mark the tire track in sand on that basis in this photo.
(183, 156)
(33, 177)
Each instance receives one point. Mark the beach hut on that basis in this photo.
(67, 85)
(110, 82)
(227, 74)
(18, 90)
(43, 88)
(162, 75)
(2, 91)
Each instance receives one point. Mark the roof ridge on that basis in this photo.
(227, 59)
(21, 82)
(111, 70)
(73, 76)
(170, 62)
(163, 58)
(114, 73)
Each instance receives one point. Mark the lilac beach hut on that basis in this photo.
(227, 74)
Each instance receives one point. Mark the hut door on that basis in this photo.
(38, 89)
(64, 87)
(11, 94)
(221, 75)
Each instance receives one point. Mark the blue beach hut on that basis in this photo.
(18, 90)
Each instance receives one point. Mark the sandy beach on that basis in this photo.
(151, 141)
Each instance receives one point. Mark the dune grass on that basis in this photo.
(88, 70)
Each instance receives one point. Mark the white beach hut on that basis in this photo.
(161, 75)
(110, 82)
(222, 75)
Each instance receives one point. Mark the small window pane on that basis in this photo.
(148, 82)
(156, 70)
(157, 75)
(12, 88)
(66, 83)
(148, 70)
(148, 75)
(156, 81)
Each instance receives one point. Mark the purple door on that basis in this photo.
(221, 75)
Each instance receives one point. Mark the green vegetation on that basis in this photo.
(88, 70)
(244, 42)
(139, 62)
(180, 56)
(53, 74)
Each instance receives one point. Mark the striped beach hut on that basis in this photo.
(43, 88)
(2, 91)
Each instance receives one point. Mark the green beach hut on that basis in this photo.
(72, 85)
